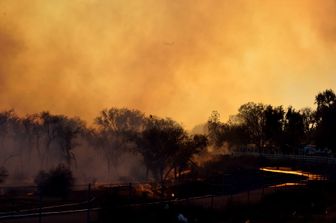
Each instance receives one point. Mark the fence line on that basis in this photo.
(279, 156)
(206, 201)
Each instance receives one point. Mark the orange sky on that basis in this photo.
(172, 58)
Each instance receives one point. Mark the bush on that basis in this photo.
(57, 182)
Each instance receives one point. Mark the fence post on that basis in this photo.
(130, 193)
(212, 201)
(88, 204)
(40, 207)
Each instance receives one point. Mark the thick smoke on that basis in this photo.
(41, 141)
(180, 59)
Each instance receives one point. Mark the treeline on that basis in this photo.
(46, 140)
(274, 127)
(160, 146)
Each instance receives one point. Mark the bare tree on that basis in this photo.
(115, 129)
(61, 131)
(68, 130)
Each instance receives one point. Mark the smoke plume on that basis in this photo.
(180, 59)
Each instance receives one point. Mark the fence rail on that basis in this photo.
(278, 156)
(25, 202)
(87, 208)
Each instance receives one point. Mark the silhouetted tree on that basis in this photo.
(253, 117)
(326, 119)
(190, 146)
(159, 143)
(121, 120)
(34, 132)
(215, 130)
(49, 124)
(11, 138)
(6, 119)
(116, 127)
(273, 126)
(309, 123)
(294, 129)
(68, 130)
(236, 134)
(61, 131)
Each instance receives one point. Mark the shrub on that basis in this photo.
(57, 182)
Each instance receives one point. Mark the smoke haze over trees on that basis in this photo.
(128, 145)
(266, 126)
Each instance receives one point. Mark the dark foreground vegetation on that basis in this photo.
(225, 189)
(312, 203)
(316, 202)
